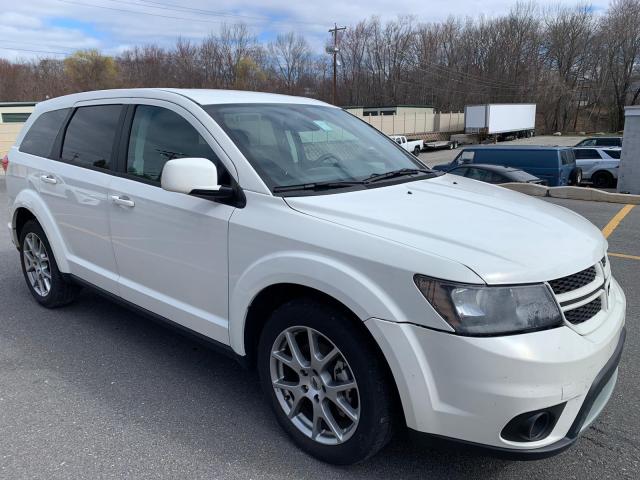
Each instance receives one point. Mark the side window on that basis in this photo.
(614, 153)
(42, 135)
(477, 174)
(499, 178)
(88, 141)
(466, 156)
(159, 135)
(567, 157)
(586, 154)
(461, 171)
(608, 142)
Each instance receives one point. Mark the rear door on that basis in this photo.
(75, 188)
(587, 159)
(171, 248)
(567, 166)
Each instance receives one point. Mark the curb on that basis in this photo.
(573, 193)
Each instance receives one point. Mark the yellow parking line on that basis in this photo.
(624, 255)
(615, 221)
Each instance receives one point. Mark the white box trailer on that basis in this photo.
(500, 119)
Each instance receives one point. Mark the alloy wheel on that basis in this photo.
(314, 385)
(36, 264)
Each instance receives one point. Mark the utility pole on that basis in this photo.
(334, 50)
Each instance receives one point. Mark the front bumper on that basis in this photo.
(469, 388)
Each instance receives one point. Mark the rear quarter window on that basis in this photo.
(40, 138)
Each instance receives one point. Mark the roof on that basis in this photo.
(17, 104)
(388, 106)
(597, 147)
(518, 147)
(199, 96)
(596, 137)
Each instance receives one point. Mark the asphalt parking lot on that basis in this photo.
(96, 391)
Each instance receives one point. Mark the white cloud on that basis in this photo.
(64, 25)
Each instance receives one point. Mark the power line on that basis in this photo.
(180, 8)
(159, 15)
(33, 51)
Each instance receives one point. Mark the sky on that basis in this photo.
(54, 28)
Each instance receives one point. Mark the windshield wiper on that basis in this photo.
(376, 177)
(316, 186)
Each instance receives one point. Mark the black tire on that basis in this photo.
(602, 180)
(575, 178)
(416, 151)
(61, 292)
(375, 394)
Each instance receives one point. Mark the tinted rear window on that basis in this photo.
(41, 136)
(613, 153)
(88, 141)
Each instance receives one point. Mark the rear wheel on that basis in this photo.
(602, 180)
(40, 269)
(575, 178)
(326, 383)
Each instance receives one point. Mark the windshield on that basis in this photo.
(293, 145)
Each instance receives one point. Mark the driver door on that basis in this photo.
(170, 248)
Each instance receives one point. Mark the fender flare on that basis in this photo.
(342, 282)
(32, 202)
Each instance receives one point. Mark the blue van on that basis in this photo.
(556, 166)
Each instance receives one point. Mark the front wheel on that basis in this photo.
(326, 382)
(416, 151)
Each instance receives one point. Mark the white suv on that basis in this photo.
(368, 291)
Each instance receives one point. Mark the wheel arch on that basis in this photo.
(28, 205)
(275, 295)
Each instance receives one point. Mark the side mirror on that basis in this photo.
(197, 176)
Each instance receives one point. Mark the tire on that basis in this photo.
(416, 151)
(575, 177)
(602, 180)
(40, 270)
(451, 147)
(357, 363)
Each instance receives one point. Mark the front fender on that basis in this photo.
(31, 201)
(344, 283)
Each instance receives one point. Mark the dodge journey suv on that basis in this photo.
(370, 292)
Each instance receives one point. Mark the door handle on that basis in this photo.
(123, 201)
(49, 179)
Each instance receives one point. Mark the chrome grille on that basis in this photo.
(573, 282)
(584, 313)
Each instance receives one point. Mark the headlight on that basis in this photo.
(484, 310)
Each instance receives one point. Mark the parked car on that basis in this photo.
(370, 292)
(600, 142)
(554, 165)
(440, 144)
(494, 174)
(414, 146)
(599, 165)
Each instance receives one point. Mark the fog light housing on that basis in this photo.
(532, 426)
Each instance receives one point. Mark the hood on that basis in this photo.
(503, 236)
